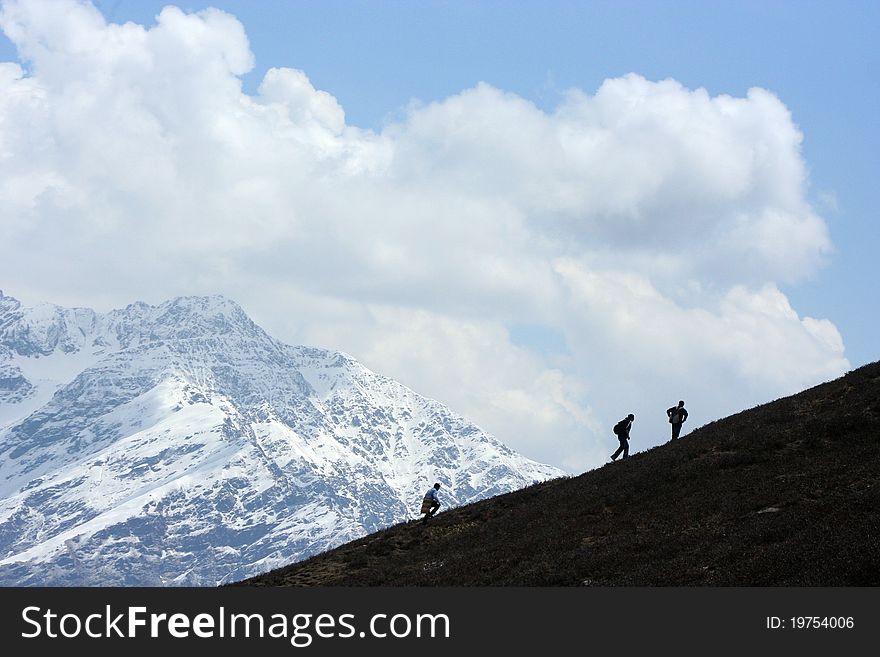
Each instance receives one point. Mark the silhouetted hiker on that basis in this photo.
(677, 416)
(430, 504)
(621, 429)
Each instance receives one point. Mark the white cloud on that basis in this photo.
(647, 222)
(472, 366)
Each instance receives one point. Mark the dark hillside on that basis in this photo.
(783, 494)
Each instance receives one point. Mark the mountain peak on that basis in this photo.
(199, 316)
(181, 444)
(210, 305)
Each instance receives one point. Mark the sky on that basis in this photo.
(546, 215)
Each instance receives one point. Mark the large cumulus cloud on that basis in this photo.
(648, 225)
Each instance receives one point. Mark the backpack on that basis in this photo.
(619, 427)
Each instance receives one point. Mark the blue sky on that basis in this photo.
(385, 63)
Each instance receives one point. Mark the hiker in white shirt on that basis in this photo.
(430, 503)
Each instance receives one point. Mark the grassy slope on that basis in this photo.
(783, 494)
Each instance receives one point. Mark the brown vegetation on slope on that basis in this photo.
(783, 494)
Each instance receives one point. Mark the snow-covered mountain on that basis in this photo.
(181, 445)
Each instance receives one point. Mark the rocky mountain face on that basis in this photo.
(180, 444)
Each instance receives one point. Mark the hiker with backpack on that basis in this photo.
(621, 430)
(677, 416)
(430, 503)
